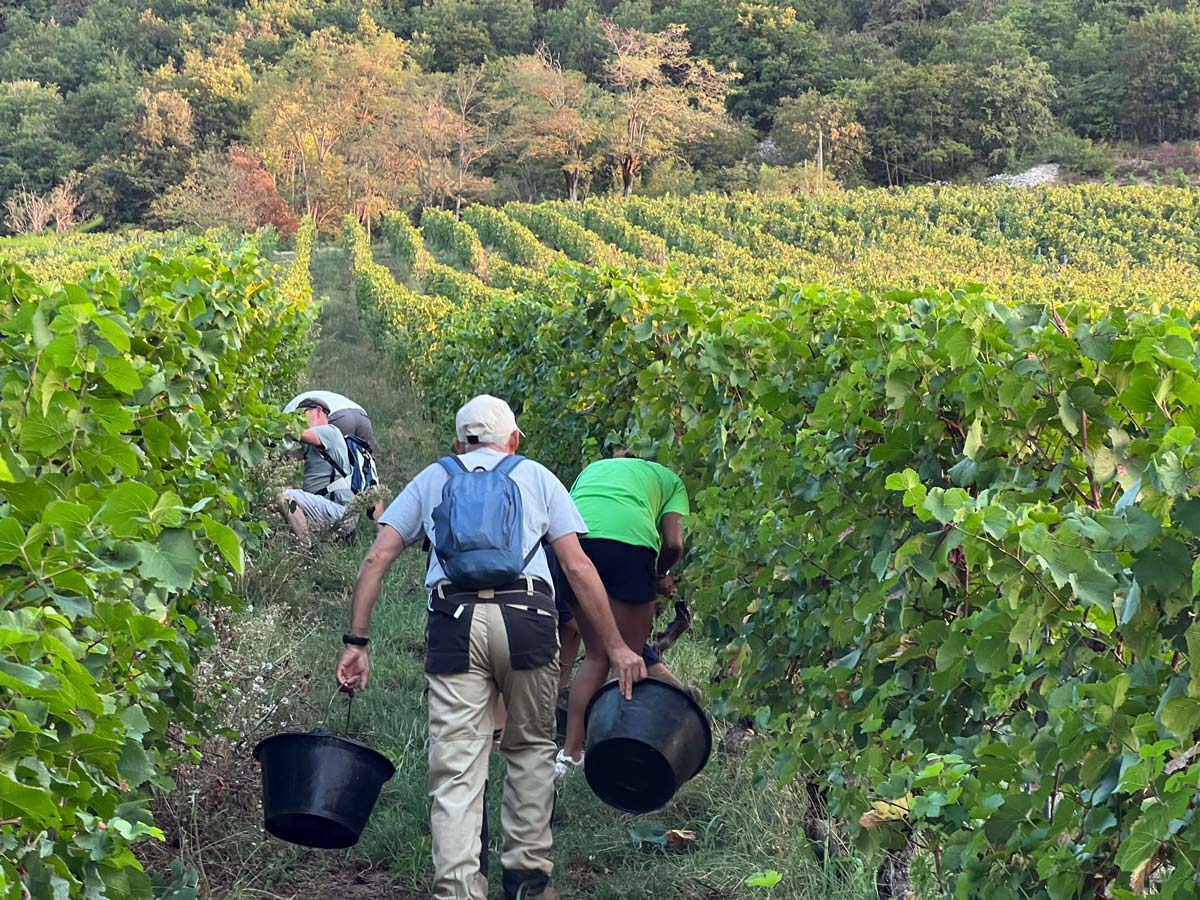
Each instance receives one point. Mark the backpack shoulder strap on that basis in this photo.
(320, 448)
(452, 464)
(509, 463)
(506, 466)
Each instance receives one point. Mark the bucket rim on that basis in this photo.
(613, 684)
(327, 738)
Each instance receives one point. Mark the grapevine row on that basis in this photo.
(135, 401)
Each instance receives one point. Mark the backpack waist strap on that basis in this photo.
(530, 592)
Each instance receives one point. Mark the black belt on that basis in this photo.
(533, 593)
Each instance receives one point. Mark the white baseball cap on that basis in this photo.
(485, 420)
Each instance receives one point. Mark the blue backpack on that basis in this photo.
(363, 473)
(479, 525)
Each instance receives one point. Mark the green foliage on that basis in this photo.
(504, 275)
(468, 32)
(767, 879)
(571, 34)
(938, 120)
(410, 322)
(690, 238)
(620, 232)
(33, 155)
(445, 232)
(457, 287)
(814, 126)
(948, 537)
(405, 242)
(50, 256)
(1079, 154)
(1051, 243)
(133, 404)
(942, 90)
(561, 233)
(774, 44)
(501, 232)
(1159, 64)
(296, 285)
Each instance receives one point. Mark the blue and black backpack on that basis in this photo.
(362, 474)
(479, 525)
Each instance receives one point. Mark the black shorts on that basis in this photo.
(627, 571)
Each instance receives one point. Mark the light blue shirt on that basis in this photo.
(548, 509)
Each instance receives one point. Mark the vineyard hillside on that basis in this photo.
(944, 451)
(1066, 244)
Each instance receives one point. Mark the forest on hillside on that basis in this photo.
(202, 113)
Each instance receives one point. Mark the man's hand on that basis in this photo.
(665, 586)
(353, 669)
(290, 447)
(628, 667)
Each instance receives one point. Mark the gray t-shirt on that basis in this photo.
(548, 509)
(318, 473)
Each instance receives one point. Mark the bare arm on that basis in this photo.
(354, 667)
(388, 545)
(310, 436)
(671, 529)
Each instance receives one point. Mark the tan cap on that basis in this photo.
(485, 420)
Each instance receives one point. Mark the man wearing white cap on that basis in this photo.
(487, 642)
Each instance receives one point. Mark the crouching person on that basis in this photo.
(322, 499)
(492, 631)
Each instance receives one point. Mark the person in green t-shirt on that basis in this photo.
(634, 511)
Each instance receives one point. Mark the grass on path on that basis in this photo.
(276, 667)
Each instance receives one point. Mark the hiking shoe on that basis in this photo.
(564, 764)
(526, 884)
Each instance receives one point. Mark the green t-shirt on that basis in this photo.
(625, 499)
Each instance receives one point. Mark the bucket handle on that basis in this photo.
(349, 708)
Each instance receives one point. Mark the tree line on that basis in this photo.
(186, 112)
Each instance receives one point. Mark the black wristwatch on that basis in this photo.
(355, 641)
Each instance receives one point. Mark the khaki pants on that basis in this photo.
(461, 720)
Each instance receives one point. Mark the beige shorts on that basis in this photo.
(321, 510)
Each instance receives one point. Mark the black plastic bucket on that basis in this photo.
(639, 752)
(318, 788)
